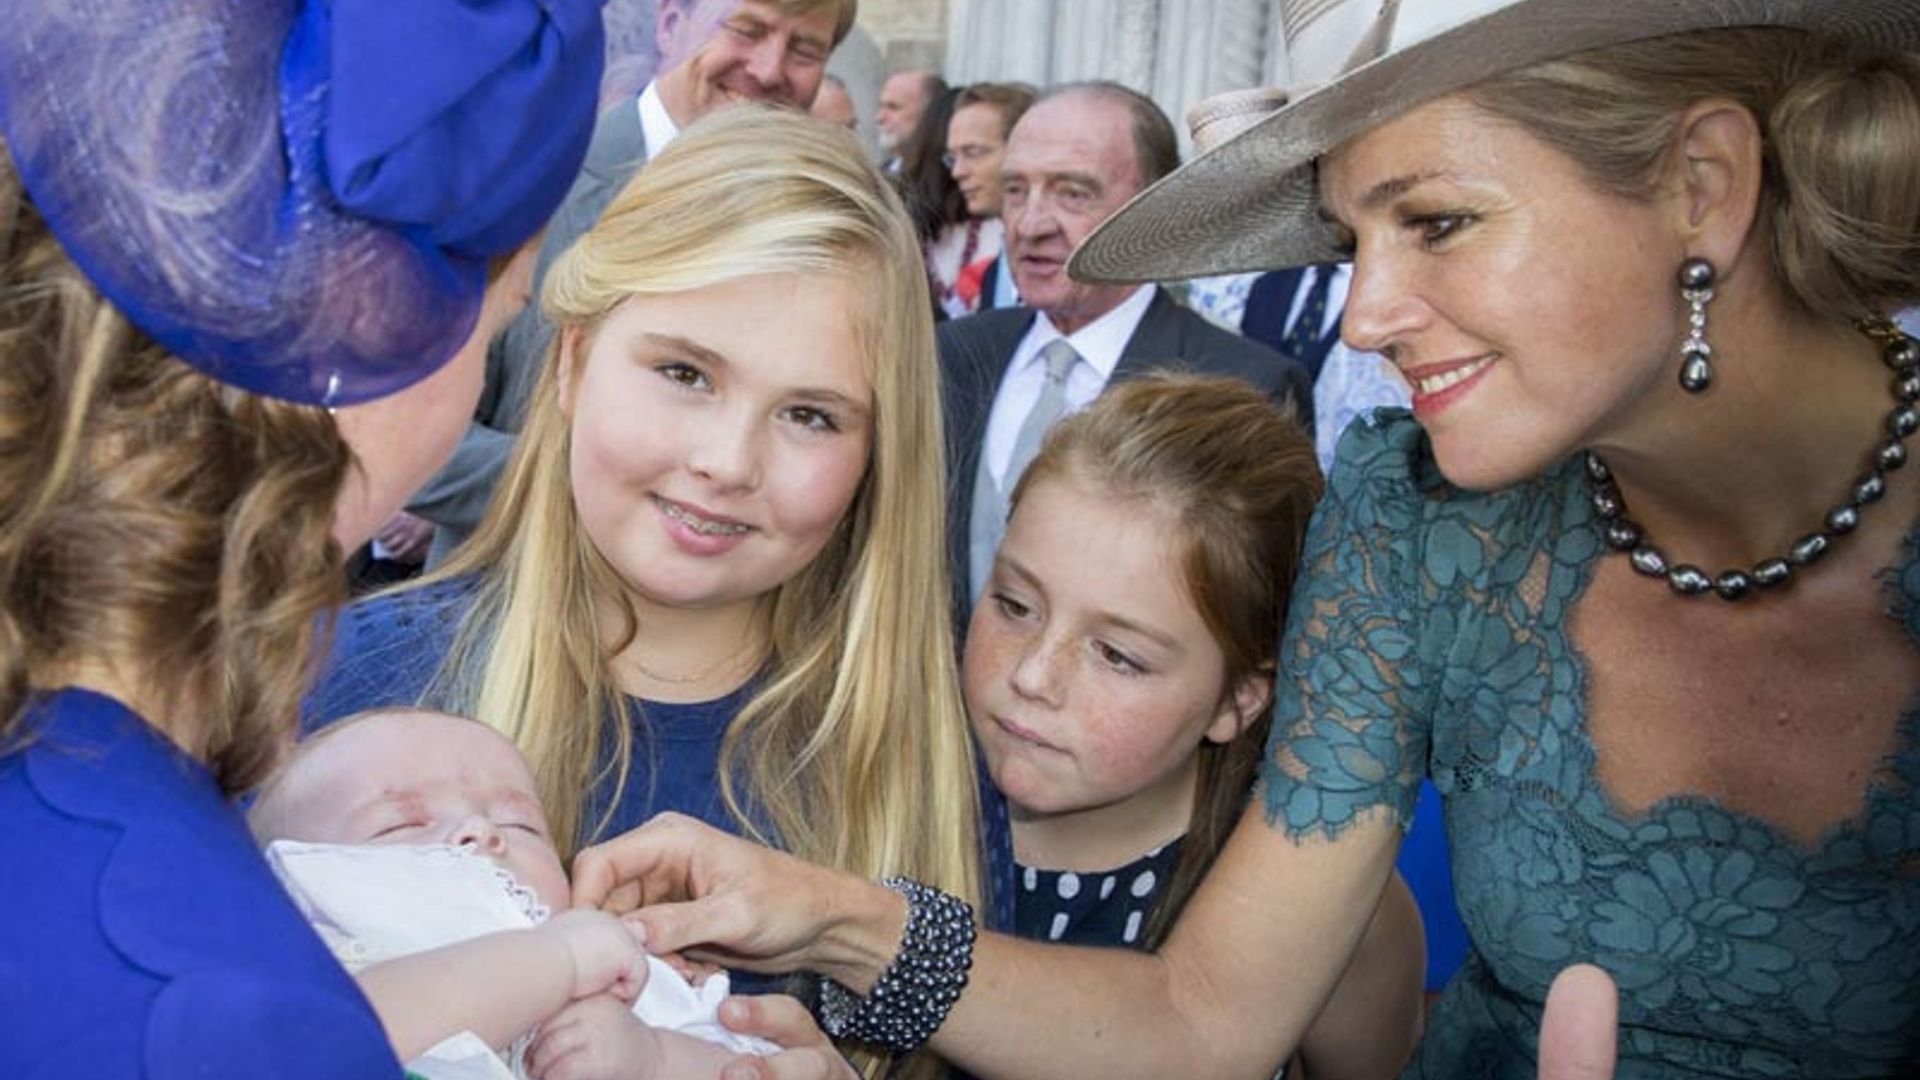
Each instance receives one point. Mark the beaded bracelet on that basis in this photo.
(911, 998)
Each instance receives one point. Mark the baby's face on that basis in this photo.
(424, 778)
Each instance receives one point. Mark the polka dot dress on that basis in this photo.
(1108, 907)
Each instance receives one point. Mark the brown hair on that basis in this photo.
(1240, 477)
(1010, 99)
(1156, 146)
(928, 188)
(1841, 190)
(844, 12)
(153, 522)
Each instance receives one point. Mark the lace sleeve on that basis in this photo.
(1350, 729)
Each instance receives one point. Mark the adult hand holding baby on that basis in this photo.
(807, 1053)
(719, 898)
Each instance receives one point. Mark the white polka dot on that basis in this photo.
(1133, 928)
(1069, 886)
(1059, 926)
(1143, 884)
(1032, 881)
(1106, 886)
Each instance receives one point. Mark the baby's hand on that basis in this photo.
(606, 953)
(595, 1038)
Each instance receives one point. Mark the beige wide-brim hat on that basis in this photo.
(1247, 201)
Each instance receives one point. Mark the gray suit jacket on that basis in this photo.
(975, 352)
(456, 498)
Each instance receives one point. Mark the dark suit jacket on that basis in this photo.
(456, 498)
(975, 352)
(1269, 300)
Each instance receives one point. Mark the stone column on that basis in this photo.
(1176, 51)
(1136, 37)
(1206, 47)
(1027, 40)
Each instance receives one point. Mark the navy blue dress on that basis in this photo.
(141, 933)
(1108, 907)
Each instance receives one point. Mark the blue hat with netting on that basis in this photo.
(298, 197)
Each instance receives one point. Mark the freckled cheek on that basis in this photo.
(991, 653)
(1125, 740)
(1108, 743)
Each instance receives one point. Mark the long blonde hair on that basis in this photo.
(854, 750)
(153, 522)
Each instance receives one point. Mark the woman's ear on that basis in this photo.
(1251, 696)
(566, 365)
(1721, 169)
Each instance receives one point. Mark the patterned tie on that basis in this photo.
(1060, 358)
(1303, 340)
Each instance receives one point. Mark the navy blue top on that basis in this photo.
(141, 933)
(387, 650)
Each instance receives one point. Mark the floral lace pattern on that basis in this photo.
(1429, 635)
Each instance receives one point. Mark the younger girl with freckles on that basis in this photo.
(1121, 701)
(1119, 674)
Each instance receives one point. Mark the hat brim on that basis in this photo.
(1250, 203)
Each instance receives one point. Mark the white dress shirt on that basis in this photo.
(657, 128)
(1099, 344)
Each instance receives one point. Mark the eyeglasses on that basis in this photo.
(972, 153)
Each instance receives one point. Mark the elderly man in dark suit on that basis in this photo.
(1074, 158)
(717, 52)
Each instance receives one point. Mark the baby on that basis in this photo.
(416, 844)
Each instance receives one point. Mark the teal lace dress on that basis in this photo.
(1429, 636)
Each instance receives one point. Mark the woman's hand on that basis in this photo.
(806, 1053)
(1579, 1031)
(736, 903)
(405, 537)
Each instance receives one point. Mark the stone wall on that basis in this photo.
(910, 33)
(1178, 52)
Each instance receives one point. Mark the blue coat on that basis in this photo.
(141, 933)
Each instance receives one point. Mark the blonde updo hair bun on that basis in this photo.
(1841, 194)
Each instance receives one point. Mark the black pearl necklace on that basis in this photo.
(1622, 534)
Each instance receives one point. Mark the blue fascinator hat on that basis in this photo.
(298, 197)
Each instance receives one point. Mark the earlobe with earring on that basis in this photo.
(1696, 356)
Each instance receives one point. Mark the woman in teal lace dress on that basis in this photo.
(1637, 582)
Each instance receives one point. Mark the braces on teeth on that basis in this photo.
(700, 525)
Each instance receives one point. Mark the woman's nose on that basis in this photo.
(1381, 310)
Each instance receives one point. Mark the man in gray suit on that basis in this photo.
(1073, 159)
(719, 52)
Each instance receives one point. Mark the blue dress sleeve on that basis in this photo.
(1350, 728)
